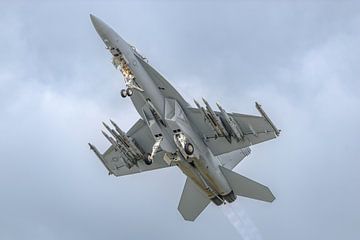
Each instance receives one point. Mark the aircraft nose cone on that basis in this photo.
(105, 32)
(95, 21)
(109, 36)
(99, 25)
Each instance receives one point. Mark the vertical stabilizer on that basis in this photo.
(192, 201)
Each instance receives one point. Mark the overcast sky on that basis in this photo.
(57, 83)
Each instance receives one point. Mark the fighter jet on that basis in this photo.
(203, 143)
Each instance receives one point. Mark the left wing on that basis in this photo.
(250, 130)
(118, 162)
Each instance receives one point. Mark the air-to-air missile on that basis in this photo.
(100, 156)
(213, 119)
(119, 142)
(230, 124)
(112, 131)
(112, 141)
(262, 112)
(202, 109)
(129, 142)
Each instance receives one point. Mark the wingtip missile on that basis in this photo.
(97, 153)
(91, 146)
(264, 115)
(258, 106)
(100, 156)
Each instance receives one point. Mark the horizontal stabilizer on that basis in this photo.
(245, 187)
(192, 201)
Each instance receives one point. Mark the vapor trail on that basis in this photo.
(241, 221)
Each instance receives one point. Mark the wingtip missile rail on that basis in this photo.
(264, 115)
(100, 156)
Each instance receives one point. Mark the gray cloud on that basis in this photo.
(300, 60)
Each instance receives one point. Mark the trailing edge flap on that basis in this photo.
(192, 201)
(245, 187)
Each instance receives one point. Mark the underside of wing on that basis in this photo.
(255, 129)
(115, 163)
(226, 132)
(126, 157)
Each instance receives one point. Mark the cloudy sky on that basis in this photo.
(300, 60)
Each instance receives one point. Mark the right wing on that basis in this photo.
(115, 160)
(254, 129)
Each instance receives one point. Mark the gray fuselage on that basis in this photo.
(167, 118)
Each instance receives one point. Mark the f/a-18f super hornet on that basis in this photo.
(205, 144)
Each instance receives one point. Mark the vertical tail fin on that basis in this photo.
(192, 201)
(245, 187)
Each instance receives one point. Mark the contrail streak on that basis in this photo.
(241, 221)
